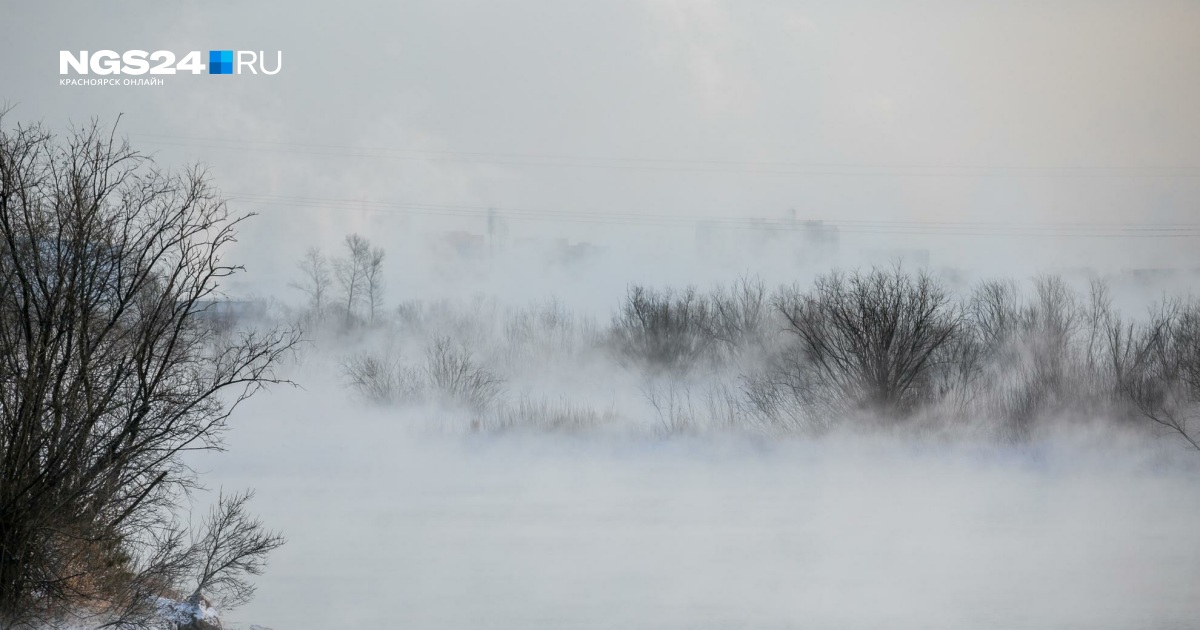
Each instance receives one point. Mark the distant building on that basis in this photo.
(806, 241)
(461, 244)
(815, 242)
(497, 233)
(576, 253)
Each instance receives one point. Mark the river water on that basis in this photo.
(391, 527)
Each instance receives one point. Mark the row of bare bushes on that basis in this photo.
(889, 346)
(884, 347)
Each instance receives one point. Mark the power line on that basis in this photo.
(702, 217)
(679, 165)
(846, 226)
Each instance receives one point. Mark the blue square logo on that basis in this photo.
(220, 62)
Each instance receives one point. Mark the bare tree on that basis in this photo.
(373, 272)
(109, 369)
(315, 281)
(360, 277)
(233, 546)
(868, 341)
(1157, 366)
(350, 274)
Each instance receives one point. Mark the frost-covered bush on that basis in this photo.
(448, 375)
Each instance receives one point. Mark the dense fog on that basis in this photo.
(492, 463)
(611, 314)
(390, 524)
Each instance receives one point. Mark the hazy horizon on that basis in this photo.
(997, 139)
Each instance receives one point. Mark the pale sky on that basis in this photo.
(1022, 113)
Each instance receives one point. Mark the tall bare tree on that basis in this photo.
(110, 368)
(360, 277)
(374, 278)
(315, 281)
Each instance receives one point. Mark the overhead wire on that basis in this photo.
(652, 164)
(620, 218)
(848, 226)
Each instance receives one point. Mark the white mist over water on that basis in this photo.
(536, 147)
(394, 526)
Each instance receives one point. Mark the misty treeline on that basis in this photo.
(349, 287)
(877, 348)
(111, 372)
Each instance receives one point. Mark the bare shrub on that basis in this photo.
(786, 396)
(449, 376)
(682, 407)
(674, 408)
(381, 380)
(542, 333)
(1038, 358)
(541, 413)
(742, 323)
(457, 379)
(474, 324)
(663, 330)
(867, 342)
(1157, 366)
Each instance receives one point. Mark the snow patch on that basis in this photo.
(185, 612)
